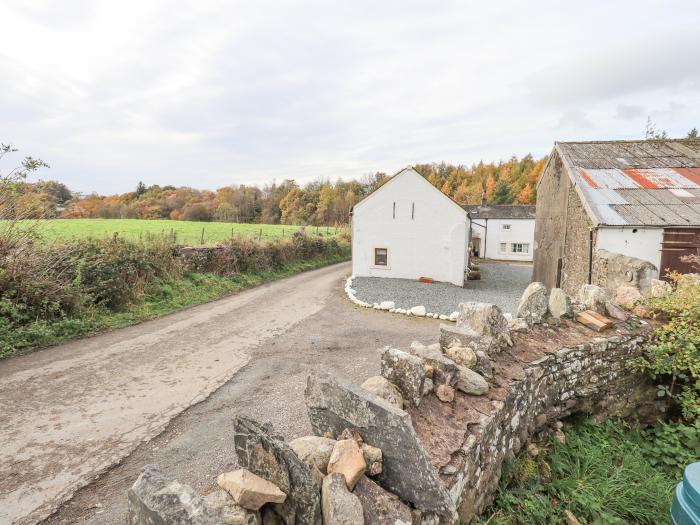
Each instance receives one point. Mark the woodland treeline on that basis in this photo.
(316, 203)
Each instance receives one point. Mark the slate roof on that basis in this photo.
(636, 183)
(500, 211)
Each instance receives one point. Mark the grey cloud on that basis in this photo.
(629, 111)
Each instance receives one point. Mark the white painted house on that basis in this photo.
(409, 229)
(502, 232)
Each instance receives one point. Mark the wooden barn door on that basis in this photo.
(677, 243)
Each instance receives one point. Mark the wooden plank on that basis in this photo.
(594, 320)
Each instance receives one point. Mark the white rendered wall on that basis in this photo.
(521, 231)
(431, 244)
(642, 243)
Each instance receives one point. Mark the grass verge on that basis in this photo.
(165, 296)
(606, 473)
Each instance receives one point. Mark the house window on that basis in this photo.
(381, 256)
(505, 226)
(520, 247)
(504, 247)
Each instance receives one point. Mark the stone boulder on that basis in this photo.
(482, 318)
(470, 382)
(157, 500)
(451, 335)
(338, 504)
(533, 303)
(559, 304)
(347, 459)
(334, 404)
(592, 297)
(627, 297)
(406, 371)
(381, 507)
(518, 325)
(615, 312)
(314, 450)
(373, 459)
(231, 514)
(248, 490)
(660, 288)
(268, 456)
(443, 369)
(418, 311)
(461, 355)
(382, 387)
(445, 393)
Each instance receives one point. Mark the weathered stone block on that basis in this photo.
(381, 507)
(334, 404)
(406, 371)
(314, 450)
(451, 335)
(268, 456)
(559, 304)
(533, 303)
(382, 387)
(157, 500)
(482, 318)
(231, 514)
(445, 370)
(339, 505)
(593, 297)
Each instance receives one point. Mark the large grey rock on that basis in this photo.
(267, 455)
(382, 387)
(593, 297)
(484, 365)
(231, 514)
(334, 405)
(482, 318)
(456, 335)
(314, 451)
(628, 296)
(339, 505)
(406, 371)
(533, 303)
(614, 311)
(157, 500)
(444, 369)
(381, 507)
(559, 303)
(461, 355)
(470, 382)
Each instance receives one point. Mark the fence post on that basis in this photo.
(201, 241)
(260, 235)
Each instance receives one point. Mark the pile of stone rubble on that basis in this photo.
(366, 462)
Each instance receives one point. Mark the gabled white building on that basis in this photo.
(409, 229)
(504, 232)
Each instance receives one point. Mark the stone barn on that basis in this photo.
(409, 229)
(616, 211)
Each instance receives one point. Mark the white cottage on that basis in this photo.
(409, 229)
(504, 232)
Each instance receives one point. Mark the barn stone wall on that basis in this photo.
(576, 254)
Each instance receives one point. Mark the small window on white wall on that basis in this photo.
(504, 247)
(505, 226)
(381, 256)
(520, 247)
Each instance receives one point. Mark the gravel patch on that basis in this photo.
(501, 284)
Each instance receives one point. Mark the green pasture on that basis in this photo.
(184, 232)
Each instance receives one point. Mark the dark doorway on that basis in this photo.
(677, 243)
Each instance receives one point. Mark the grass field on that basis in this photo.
(185, 232)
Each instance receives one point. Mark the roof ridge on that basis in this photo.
(624, 140)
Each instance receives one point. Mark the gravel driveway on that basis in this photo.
(501, 284)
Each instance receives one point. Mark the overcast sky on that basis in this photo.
(217, 93)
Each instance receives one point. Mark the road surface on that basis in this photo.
(69, 413)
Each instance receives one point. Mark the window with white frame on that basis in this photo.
(505, 226)
(520, 247)
(504, 247)
(381, 256)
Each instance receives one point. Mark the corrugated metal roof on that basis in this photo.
(637, 183)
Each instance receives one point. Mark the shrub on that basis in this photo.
(672, 358)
